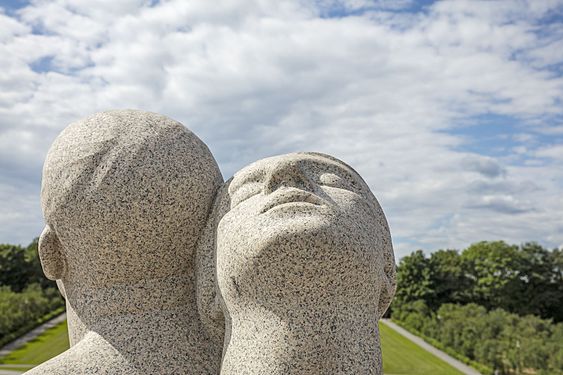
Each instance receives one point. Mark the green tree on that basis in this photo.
(461, 327)
(503, 295)
(533, 333)
(414, 279)
(24, 308)
(554, 308)
(416, 315)
(15, 269)
(555, 350)
(448, 279)
(541, 288)
(494, 268)
(492, 347)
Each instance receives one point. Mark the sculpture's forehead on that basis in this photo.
(311, 161)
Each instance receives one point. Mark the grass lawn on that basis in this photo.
(45, 346)
(402, 356)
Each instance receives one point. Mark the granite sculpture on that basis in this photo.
(125, 195)
(304, 269)
(290, 275)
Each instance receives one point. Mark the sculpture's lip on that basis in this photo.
(292, 196)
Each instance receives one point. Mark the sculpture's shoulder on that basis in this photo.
(89, 356)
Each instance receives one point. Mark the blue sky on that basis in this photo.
(451, 110)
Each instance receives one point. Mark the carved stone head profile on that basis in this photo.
(125, 195)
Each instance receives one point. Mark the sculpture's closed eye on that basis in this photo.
(244, 192)
(330, 179)
(333, 180)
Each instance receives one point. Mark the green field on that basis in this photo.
(47, 345)
(400, 356)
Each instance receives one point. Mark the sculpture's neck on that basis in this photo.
(88, 306)
(153, 316)
(150, 342)
(304, 342)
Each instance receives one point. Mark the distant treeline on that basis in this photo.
(526, 279)
(27, 298)
(493, 303)
(499, 340)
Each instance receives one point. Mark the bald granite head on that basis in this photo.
(125, 195)
(301, 256)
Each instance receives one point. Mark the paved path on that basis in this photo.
(10, 369)
(19, 342)
(9, 372)
(438, 353)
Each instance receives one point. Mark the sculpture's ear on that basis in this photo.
(51, 254)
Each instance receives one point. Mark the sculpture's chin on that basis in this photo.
(299, 261)
(297, 233)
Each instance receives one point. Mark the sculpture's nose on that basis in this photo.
(288, 173)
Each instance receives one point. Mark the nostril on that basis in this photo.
(286, 181)
(270, 184)
(287, 174)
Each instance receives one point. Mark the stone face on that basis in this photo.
(304, 268)
(125, 196)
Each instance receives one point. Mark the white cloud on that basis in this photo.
(551, 130)
(255, 78)
(9, 27)
(346, 6)
(552, 152)
(487, 167)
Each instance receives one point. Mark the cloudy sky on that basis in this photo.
(452, 111)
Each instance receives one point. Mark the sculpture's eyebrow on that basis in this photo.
(254, 174)
(323, 163)
(347, 171)
(342, 168)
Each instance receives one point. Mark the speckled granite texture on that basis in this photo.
(125, 196)
(304, 268)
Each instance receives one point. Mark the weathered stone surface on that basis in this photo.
(304, 268)
(125, 195)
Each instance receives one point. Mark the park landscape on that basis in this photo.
(450, 110)
(400, 356)
(494, 306)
